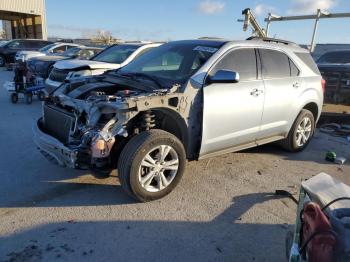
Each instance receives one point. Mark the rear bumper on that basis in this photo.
(53, 149)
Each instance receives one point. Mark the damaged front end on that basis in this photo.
(84, 122)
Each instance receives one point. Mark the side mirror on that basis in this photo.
(224, 76)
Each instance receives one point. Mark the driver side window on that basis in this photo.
(242, 61)
(59, 49)
(15, 45)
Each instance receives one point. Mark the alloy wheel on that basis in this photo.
(158, 168)
(304, 132)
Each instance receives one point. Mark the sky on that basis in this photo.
(187, 19)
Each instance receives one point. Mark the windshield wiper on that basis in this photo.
(153, 79)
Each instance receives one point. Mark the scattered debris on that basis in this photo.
(340, 160)
(331, 156)
(49, 247)
(29, 253)
(60, 229)
(66, 248)
(219, 249)
(334, 129)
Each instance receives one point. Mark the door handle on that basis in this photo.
(256, 92)
(296, 85)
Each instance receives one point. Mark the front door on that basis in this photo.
(232, 111)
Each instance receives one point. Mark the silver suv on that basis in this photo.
(185, 100)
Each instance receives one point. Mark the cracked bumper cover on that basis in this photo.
(53, 149)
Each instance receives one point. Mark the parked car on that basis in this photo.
(335, 69)
(42, 66)
(112, 57)
(184, 100)
(56, 48)
(2, 42)
(9, 49)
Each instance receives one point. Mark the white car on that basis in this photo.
(56, 48)
(113, 57)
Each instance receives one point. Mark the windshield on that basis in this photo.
(2, 43)
(46, 48)
(116, 54)
(172, 63)
(71, 52)
(340, 57)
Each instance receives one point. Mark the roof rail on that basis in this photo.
(209, 38)
(268, 39)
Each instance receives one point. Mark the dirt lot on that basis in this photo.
(223, 209)
(340, 109)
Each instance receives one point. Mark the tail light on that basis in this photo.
(323, 83)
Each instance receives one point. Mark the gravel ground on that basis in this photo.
(223, 210)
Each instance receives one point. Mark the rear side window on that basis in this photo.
(307, 59)
(274, 64)
(242, 61)
(294, 71)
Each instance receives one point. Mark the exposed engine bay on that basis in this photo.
(90, 115)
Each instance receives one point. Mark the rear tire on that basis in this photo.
(301, 132)
(151, 165)
(14, 98)
(29, 98)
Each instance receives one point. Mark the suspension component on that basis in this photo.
(148, 120)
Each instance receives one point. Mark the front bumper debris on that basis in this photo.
(53, 149)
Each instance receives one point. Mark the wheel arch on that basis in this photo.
(313, 108)
(164, 119)
(172, 122)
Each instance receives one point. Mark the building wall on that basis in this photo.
(35, 7)
(27, 18)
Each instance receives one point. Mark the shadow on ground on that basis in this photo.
(225, 238)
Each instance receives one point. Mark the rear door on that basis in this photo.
(232, 111)
(282, 88)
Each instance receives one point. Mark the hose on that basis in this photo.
(334, 129)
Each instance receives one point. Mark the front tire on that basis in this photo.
(301, 132)
(14, 98)
(2, 61)
(151, 165)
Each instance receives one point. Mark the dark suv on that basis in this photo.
(335, 70)
(9, 49)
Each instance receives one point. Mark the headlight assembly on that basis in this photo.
(81, 73)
